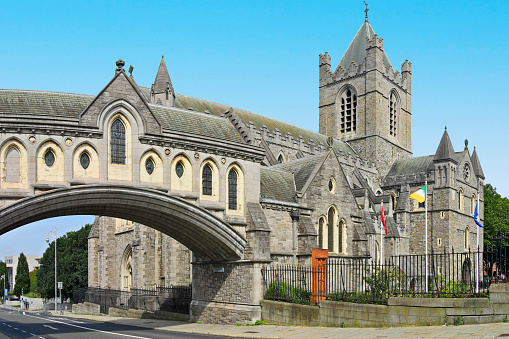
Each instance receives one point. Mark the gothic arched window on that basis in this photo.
(322, 243)
(206, 180)
(117, 142)
(331, 216)
(232, 189)
(348, 117)
(467, 238)
(393, 113)
(12, 165)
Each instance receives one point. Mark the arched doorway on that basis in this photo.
(127, 269)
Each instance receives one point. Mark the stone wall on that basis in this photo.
(226, 293)
(398, 311)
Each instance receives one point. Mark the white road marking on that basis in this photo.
(53, 328)
(87, 328)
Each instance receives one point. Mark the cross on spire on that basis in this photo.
(366, 10)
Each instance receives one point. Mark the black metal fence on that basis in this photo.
(366, 281)
(171, 299)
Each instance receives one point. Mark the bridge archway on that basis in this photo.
(207, 236)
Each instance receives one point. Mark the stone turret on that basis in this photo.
(445, 163)
(162, 92)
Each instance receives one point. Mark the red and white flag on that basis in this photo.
(382, 219)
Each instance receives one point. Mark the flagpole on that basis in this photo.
(381, 236)
(426, 226)
(477, 256)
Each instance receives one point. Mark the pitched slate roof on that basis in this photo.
(277, 185)
(357, 49)
(162, 79)
(301, 169)
(200, 105)
(412, 166)
(195, 123)
(43, 103)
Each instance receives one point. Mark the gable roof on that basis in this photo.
(277, 185)
(259, 121)
(412, 166)
(195, 123)
(301, 169)
(357, 49)
(43, 103)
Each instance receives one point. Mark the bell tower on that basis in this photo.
(366, 102)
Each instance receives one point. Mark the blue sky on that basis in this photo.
(263, 56)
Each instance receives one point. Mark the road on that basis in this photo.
(16, 324)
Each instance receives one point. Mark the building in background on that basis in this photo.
(11, 261)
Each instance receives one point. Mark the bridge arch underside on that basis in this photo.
(207, 236)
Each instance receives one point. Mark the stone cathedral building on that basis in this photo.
(251, 171)
(337, 178)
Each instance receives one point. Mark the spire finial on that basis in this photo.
(162, 57)
(446, 128)
(366, 10)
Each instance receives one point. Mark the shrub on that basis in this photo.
(280, 290)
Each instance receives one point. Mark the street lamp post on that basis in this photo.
(54, 235)
(3, 291)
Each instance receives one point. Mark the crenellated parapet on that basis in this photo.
(354, 70)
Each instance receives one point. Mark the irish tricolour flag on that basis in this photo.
(420, 195)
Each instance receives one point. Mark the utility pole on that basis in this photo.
(54, 235)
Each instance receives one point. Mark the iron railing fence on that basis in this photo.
(172, 298)
(366, 281)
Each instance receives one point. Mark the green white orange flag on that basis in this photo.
(419, 195)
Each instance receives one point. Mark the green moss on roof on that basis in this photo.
(277, 185)
(300, 168)
(43, 103)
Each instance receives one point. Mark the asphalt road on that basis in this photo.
(16, 324)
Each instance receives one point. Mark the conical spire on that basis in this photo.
(162, 79)
(476, 164)
(445, 151)
(357, 49)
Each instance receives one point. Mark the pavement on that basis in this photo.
(279, 331)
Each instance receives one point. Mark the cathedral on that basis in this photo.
(306, 190)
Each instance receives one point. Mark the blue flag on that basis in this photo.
(476, 216)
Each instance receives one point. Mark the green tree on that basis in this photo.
(72, 264)
(496, 213)
(22, 280)
(3, 270)
(33, 281)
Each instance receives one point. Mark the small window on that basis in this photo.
(206, 180)
(49, 158)
(149, 166)
(179, 169)
(232, 190)
(421, 204)
(117, 142)
(280, 159)
(332, 185)
(84, 160)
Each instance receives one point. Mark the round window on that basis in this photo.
(49, 158)
(84, 160)
(149, 166)
(179, 169)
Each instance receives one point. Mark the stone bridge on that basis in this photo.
(117, 154)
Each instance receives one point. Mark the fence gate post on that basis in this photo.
(319, 274)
